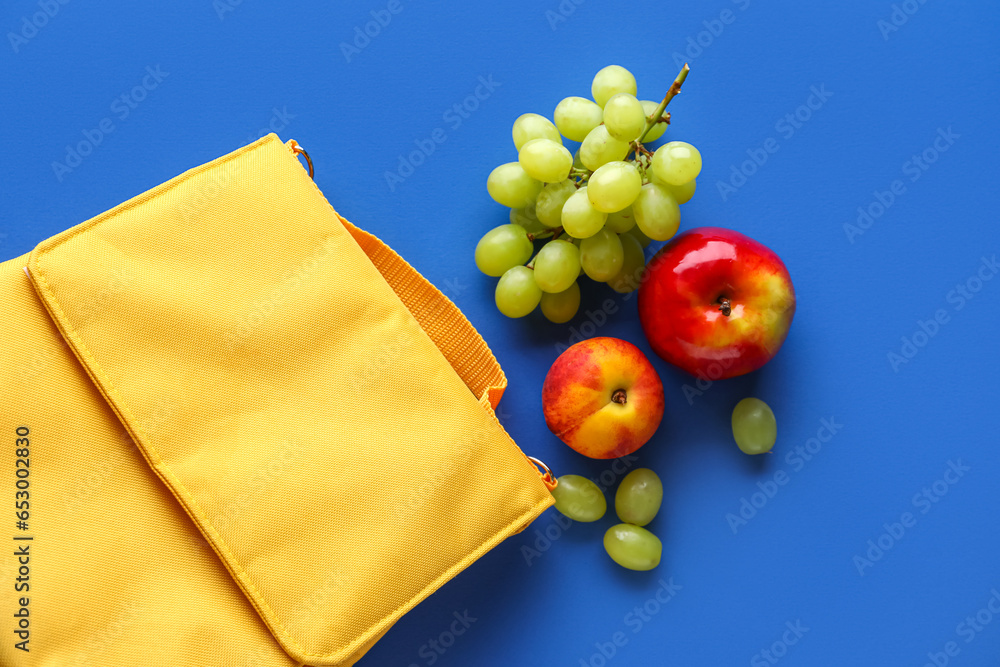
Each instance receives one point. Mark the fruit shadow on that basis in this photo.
(706, 409)
(602, 312)
(641, 582)
(593, 532)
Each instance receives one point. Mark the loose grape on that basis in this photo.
(557, 266)
(548, 206)
(633, 547)
(516, 293)
(579, 217)
(545, 160)
(602, 255)
(576, 116)
(676, 162)
(637, 234)
(501, 248)
(599, 148)
(656, 213)
(624, 117)
(614, 186)
(561, 307)
(633, 265)
(754, 426)
(655, 132)
(610, 81)
(621, 221)
(638, 497)
(511, 186)
(527, 217)
(579, 498)
(533, 126)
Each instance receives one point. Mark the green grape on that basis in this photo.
(624, 117)
(517, 294)
(633, 547)
(676, 162)
(633, 265)
(579, 217)
(637, 234)
(638, 497)
(621, 221)
(545, 160)
(599, 148)
(754, 427)
(527, 217)
(681, 193)
(533, 126)
(602, 255)
(577, 162)
(511, 186)
(610, 81)
(685, 191)
(655, 132)
(579, 498)
(656, 213)
(548, 206)
(576, 116)
(501, 248)
(557, 266)
(614, 186)
(561, 307)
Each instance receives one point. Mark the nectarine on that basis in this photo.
(603, 398)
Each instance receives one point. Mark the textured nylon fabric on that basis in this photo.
(258, 436)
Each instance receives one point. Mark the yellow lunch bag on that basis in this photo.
(238, 431)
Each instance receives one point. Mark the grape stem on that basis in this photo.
(555, 234)
(582, 174)
(675, 88)
(643, 158)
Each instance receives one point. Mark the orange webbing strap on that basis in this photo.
(450, 330)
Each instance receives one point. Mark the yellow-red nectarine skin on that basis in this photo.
(577, 398)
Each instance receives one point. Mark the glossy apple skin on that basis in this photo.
(680, 311)
(578, 398)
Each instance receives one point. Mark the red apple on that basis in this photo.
(603, 398)
(716, 303)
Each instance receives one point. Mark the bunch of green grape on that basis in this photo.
(596, 210)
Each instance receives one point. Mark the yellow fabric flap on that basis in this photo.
(322, 413)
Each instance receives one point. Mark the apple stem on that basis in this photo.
(619, 396)
(726, 306)
(675, 88)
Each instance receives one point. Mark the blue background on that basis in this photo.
(231, 74)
